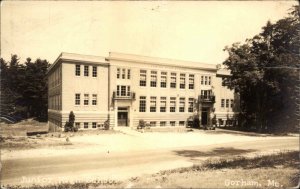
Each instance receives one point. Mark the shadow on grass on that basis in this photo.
(214, 152)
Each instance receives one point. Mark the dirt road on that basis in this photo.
(121, 165)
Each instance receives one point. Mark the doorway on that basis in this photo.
(123, 116)
(204, 116)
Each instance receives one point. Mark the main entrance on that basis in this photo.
(123, 116)
(204, 116)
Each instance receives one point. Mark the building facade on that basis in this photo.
(125, 88)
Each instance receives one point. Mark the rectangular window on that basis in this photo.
(172, 123)
(205, 80)
(86, 70)
(128, 74)
(94, 99)
(128, 90)
(118, 90)
(222, 103)
(202, 80)
(142, 104)
(94, 125)
(118, 73)
(181, 123)
(227, 103)
(123, 73)
(163, 79)
(209, 80)
(153, 79)
(182, 81)
(231, 103)
(143, 76)
(77, 69)
(86, 99)
(172, 104)
(181, 104)
(191, 105)
(86, 125)
(77, 99)
(123, 90)
(163, 104)
(162, 123)
(191, 81)
(94, 71)
(152, 123)
(152, 104)
(173, 80)
(77, 125)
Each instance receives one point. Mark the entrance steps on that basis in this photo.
(127, 131)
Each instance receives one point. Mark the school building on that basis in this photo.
(125, 88)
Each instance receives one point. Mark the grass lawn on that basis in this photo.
(269, 171)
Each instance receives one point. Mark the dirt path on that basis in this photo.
(121, 165)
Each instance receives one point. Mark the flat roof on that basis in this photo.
(160, 61)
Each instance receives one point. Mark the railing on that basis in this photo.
(207, 98)
(127, 96)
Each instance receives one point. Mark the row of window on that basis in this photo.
(55, 78)
(163, 104)
(164, 80)
(225, 102)
(86, 99)
(86, 70)
(54, 102)
(86, 125)
(121, 73)
(123, 90)
(164, 123)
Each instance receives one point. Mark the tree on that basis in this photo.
(265, 71)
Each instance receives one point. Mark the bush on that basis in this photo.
(106, 125)
(142, 124)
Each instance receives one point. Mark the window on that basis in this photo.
(152, 123)
(172, 104)
(86, 125)
(202, 80)
(118, 73)
(77, 70)
(128, 90)
(205, 94)
(94, 71)
(152, 104)
(182, 81)
(163, 80)
(142, 104)
(231, 103)
(94, 125)
(172, 123)
(209, 80)
(86, 99)
(77, 99)
(94, 99)
(173, 80)
(162, 123)
(143, 76)
(123, 73)
(222, 103)
(77, 125)
(227, 103)
(153, 79)
(205, 80)
(191, 105)
(181, 104)
(191, 81)
(123, 90)
(181, 123)
(86, 70)
(128, 74)
(118, 90)
(163, 104)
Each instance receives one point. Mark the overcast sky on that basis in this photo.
(193, 30)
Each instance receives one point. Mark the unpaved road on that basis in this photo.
(121, 165)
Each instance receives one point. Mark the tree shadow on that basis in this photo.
(215, 152)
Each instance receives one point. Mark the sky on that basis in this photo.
(192, 30)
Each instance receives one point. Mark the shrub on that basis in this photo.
(106, 125)
(142, 124)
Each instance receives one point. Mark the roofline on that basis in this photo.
(161, 61)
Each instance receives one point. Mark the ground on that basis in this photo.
(124, 154)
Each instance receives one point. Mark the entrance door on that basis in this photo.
(122, 117)
(204, 116)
